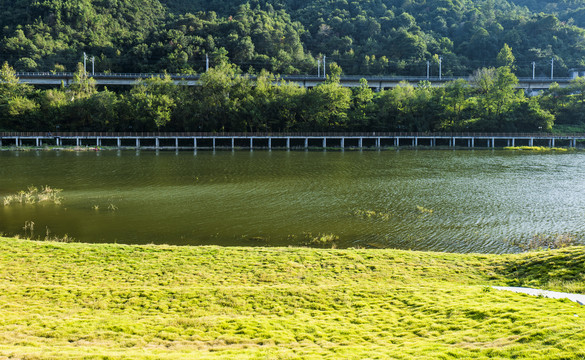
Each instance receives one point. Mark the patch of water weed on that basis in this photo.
(547, 242)
(372, 214)
(424, 210)
(320, 240)
(29, 226)
(65, 238)
(32, 195)
(535, 148)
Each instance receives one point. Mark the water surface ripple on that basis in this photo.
(441, 200)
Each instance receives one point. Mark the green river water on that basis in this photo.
(440, 200)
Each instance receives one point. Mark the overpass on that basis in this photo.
(375, 82)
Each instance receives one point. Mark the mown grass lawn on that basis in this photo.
(70, 301)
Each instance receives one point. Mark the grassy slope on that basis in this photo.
(112, 301)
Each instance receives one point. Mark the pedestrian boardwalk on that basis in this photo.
(286, 140)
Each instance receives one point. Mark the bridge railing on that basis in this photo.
(287, 134)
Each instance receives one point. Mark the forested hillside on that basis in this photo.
(288, 36)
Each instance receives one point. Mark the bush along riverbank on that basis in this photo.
(66, 301)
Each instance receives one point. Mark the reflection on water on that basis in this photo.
(465, 201)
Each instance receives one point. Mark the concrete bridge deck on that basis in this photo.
(375, 82)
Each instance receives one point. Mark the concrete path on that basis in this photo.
(578, 298)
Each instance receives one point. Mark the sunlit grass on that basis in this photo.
(70, 301)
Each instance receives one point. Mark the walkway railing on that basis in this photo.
(285, 134)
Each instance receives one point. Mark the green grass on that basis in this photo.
(70, 301)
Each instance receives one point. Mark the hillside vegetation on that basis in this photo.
(67, 301)
(288, 36)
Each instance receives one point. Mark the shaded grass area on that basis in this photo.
(61, 301)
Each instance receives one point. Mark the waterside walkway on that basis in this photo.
(198, 140)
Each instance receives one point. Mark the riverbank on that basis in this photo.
(66, 301)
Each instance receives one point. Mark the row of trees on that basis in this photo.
(226, 100)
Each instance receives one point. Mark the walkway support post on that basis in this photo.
(156, 143)
(342, 143)
(306, 143)
(138, 143)
(119, 141)
(251, 143)
(324, 142)
(361, 143)
(270, 143)
(288, 143)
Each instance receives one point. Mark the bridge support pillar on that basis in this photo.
(213, 144)
(0, 142)
(195, 143)
(38, 142)
(176, 143)
(552, 143)
(270, 143)
(288, 143)
(137, 143)
(58, 141)
(493, 142)
(156, 143)
(119, 142)
(361, 143)
(472, 142)
(251, 143)
(306, 143)
(233, 143)
(342, 145)
(415, 141)
(531, 142)
(324, 142)
(396, 142)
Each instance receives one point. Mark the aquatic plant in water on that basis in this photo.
(548, 242)
(320, 240)
(372, 214)
(535, 148)
(33, 196)
(424, 210)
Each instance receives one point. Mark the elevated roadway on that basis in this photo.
(374, 82)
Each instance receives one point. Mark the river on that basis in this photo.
(440, 200)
